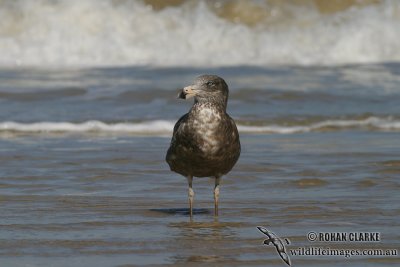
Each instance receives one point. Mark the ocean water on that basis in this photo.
(84, 181)
(88, 101)
(198, 33)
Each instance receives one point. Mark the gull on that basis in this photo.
(205, 141)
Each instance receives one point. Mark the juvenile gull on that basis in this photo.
(205, 141)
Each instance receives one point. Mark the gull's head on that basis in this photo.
(207, 89)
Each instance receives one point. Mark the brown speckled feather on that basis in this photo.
(205, 141)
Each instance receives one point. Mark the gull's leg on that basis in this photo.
(190, 194)
(216, 195)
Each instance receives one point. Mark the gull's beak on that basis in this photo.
(187, 92)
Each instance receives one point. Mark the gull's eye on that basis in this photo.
(210, 83)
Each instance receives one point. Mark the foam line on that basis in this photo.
(165, 127)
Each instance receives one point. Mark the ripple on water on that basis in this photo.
(309, 182)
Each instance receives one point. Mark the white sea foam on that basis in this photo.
(376, 123)
(164, 127)
(110, 32)
(149, 127)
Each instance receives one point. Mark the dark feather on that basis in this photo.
(205, 141)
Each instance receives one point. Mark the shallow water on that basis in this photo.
(77, 200)
(102, 197)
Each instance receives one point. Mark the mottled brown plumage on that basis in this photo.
(205, 141)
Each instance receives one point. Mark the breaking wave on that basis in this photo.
(164, 127)
(198, 33)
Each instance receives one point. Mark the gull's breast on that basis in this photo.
(207, 125)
